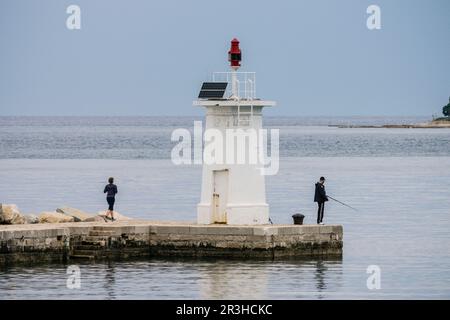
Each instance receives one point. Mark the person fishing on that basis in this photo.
(111, 191)
(320, 196)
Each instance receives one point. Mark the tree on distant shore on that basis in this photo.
(446, 109)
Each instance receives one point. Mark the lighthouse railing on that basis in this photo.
(246, 83)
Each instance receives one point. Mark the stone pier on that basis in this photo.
(63, 242)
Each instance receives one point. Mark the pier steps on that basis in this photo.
(91, 246)
(81, 257)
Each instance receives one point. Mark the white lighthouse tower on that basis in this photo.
(233, 189)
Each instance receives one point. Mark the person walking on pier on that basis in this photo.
(110, 190)
(320, 196)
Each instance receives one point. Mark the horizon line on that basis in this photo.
(265, 116)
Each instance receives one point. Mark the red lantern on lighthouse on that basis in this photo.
(234, 55)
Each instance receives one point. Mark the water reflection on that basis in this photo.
(275, 279)
(233, 280)
(110, 280)
(179, 279)
(305, 279)
(321, 269)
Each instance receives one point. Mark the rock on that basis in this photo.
(77, 215)
(95, 219)
(116, 215)
(10, 214)
(31, 218)
(54, 217)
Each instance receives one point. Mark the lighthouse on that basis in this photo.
(233, 187)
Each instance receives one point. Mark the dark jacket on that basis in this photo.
(110, 190)
(320, 195)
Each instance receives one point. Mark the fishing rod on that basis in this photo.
(342, 203)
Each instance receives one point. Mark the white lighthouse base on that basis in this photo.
(236, 214)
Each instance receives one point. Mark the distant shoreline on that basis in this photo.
(438, 123)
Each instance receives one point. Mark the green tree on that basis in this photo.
(446, 109)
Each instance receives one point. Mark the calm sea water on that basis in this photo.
(149, 137)
(397, 178)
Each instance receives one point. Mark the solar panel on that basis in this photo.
(211, 94)
(214, 85)
(212, 90)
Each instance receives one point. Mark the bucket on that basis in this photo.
(298, 218)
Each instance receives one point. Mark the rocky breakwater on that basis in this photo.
(10, 214)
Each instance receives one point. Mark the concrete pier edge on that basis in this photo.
(63, 242)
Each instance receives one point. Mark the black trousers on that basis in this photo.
(320, 208)
(111, 201)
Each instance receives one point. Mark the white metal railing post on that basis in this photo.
(254, 85)
(235, 88)
(245, 89)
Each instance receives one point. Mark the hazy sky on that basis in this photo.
(150, 57)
